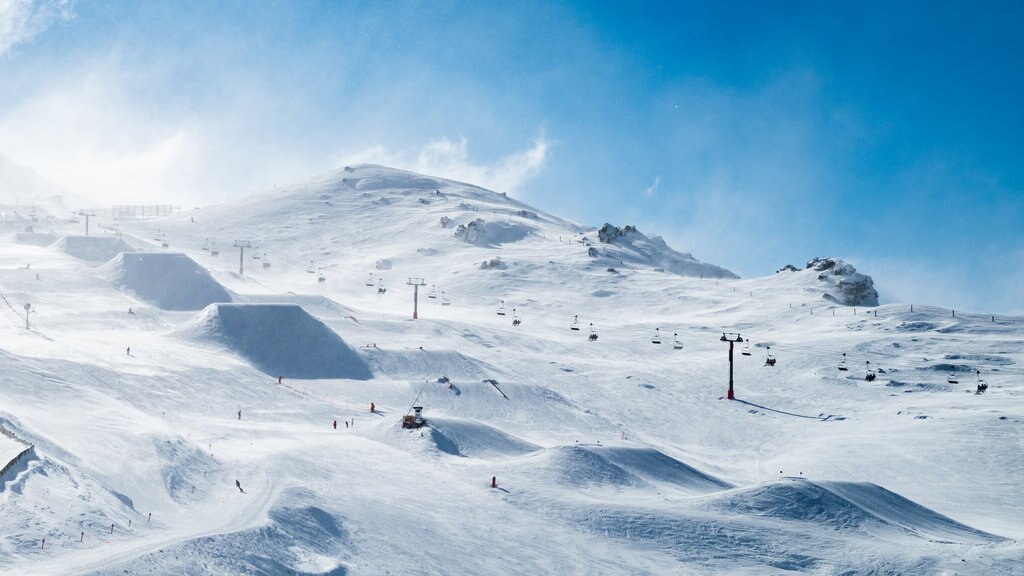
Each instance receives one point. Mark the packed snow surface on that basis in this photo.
(582, 371)
(280, 340)
(92, 248)
(168, 281)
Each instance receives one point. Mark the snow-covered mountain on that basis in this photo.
(22, 189)
(193, 409)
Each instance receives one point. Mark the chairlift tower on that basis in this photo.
(87, 214)
(242, 245)
(732, 338)
(416, 283)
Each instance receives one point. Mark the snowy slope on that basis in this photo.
(611, 456)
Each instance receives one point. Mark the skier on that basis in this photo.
(346, 424)
(279, 379)
(239, 485)
(130, 311)
(129, 351)
(239, 414)
(373, 407)
(335, 424)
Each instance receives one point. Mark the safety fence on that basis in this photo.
(21, 455)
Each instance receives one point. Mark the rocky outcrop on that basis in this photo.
(609, 233)
(847, 286)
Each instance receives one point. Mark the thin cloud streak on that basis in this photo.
(23, 20)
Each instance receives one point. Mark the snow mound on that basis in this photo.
(656, 466)
(460, 437)
(93, 248)
(629, 245)
(578, 467)
(170, 281)
(845, 506)
(279, 340)
(300, 537)
(587, 465)
(483, 233)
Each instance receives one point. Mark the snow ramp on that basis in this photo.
(94, 249)
(280, 340)
(461, 437)
(845, 506)
(169, 281)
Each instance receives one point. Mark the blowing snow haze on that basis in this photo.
(242, 388)
(333, 288)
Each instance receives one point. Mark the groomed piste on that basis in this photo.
(280, 340)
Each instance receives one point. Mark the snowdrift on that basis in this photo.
(168, 281)
(280, 340)
(93, 248)
(460, 437)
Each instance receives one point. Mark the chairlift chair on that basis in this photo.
(266, 262)
(593, 335)
(769, 359)
(380, 286)
(871, 374)
(575, 323)
(163, 242)
(982, 385)
(213, 249)
(310, 269)
(501, 309)
(320, 276)
(842, 364)
(746, 348)
(515, 318)
(676, 343)
(256, 256)
(206, 245)
(433, 292)
(444, 300)
(952, 379)
(656, 339)
(369, 281)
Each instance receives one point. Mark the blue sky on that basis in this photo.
(750, 134)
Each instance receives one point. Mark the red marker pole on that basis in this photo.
(81, 538)
(43, 545)
(494, 481)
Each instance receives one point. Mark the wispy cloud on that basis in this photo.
(651, 190)
(22, 20)
(451, 159)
